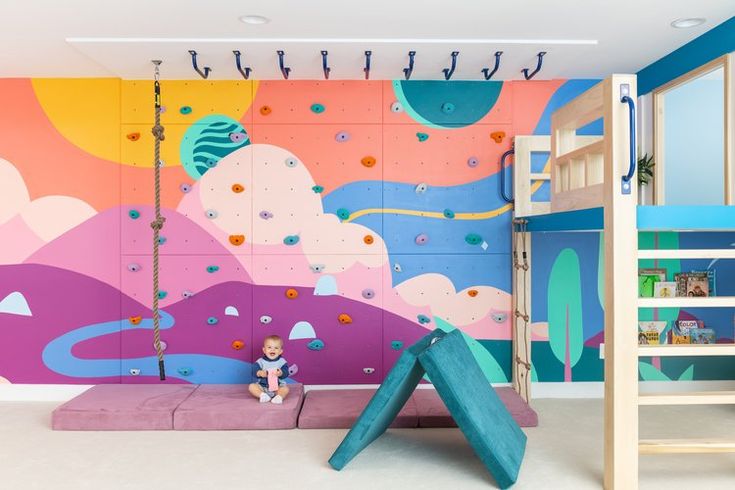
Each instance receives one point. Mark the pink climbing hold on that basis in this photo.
(272, 380)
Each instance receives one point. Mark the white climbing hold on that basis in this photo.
(302, 330)
(397, 267)
(326, 286)
(15, 304)
(484, 245)
(231, 311)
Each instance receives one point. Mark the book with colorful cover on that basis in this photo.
(697, 284)
(649, 332)
(682, 280)
(664, 289)
(681, 331)
(703, 336)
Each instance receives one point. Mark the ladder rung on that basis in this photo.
(686, 350)
(728, 253)
(537, 176)
(679, 446)
(688, 398)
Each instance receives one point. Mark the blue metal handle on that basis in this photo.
(631, 170)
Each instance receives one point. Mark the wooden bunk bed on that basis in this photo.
(594, 188)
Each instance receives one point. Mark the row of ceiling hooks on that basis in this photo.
(286, 71)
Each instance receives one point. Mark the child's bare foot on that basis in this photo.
(277, 399)
(264, 398)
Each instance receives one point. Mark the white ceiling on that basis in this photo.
(583, 38)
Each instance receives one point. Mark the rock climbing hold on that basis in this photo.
(423, 319)
(473, 293)
(231, 311)
(185, 188)
(164, 345)
(265, 110)
(185, 110)
(134, 371)
(237, 188)
(422, 136)
(368, 370)
(315, 344)
(343, 214)
(421, 188)
(498, 136)
(473, 162)
(161, 240)
(134, 214)
(211, 213)
(238, 137)
(344, 319)
(473, 239)
(316, 268)
(291, 293)
(187, 294)
(265, 215)
(212, 268)
(212, 320)
(499, 317)
(293, 369)
(368, 161)
(422, 239)
(291, 240)
(342, 136)
(185, 371)
(317, 108)
(318, 189)
(368, 293)
(211, 163)
(237, 240)
(447, 108)
(265, 319)
(134, 267)
(291, 162)
(396, 107)
(368, 239)
(397, 267)
(449, 214)
(396, 345)
(133, 136)
(162, 294)
(162, 109)
(238, 344)
(135, 320)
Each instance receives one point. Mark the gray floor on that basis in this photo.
(565, 452)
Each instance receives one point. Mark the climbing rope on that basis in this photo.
(157, 224)
(520, 267)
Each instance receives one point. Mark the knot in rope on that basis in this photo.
(157, 131)
(157, 225)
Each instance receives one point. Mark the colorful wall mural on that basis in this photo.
(346, 217)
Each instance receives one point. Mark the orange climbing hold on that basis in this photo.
(344, 319)
(368, 161)
(135, 320)
(237, 188)
(265, 110)
(133, 136)
(237, 240)
(238, 344)
(368, 239)
(498, 136)
(291, 293)
(472, 293)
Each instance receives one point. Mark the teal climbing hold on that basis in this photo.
(447, 108)
(185, 371)
(162, 294)
(343, 214)
(423, 319)
(317, 108)
(291, 240)
(422, 136)
(473, 239)
(211, 163)
(212, 268)
(396, 345)
(449, 214)
(318, 189)
(315, 344)
(161, 240)
(134, 214)
(212, 320)
(185, 110)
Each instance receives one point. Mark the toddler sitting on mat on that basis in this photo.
(272, 370)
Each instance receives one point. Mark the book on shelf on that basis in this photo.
(681, 331)
(695, 283)
(664, 289)
(650, 332)
(703, 336)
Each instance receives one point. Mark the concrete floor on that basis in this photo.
(565, 452)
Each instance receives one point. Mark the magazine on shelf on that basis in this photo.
(703, 336)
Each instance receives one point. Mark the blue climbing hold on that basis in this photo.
(317, 108)
(212, 268)
(422, 136)
(473, 239)
(161, 240)
(185, 110)
(342, 136)
(499, 317)
(162, 294)
(211, 163)
(422, 239)
(291, 240)
(343, 214)
(396, 345)
(212, 320)
(185, 371)
(315, 344)
(318, 189)
(447, 108)
(423, 319)
(449, 214)
(134, 214)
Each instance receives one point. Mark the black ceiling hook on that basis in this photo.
(325, 64)
(244, 72)
(448, 72)
(204, 74)
(407, 71)
(529, 76)
(486, 71)
(368, 54)
(284, 69)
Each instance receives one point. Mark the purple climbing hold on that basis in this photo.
(164, 345)
(187, 294)
(134, 267)
(342, 136)
(293, 369)
(237, 137)
(422, 239)
(185, 188)
(265, 215)
(473, 162)
(368, 293)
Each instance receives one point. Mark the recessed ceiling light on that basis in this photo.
(688, 22)
(254, 19)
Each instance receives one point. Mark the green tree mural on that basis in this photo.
(566, 335)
